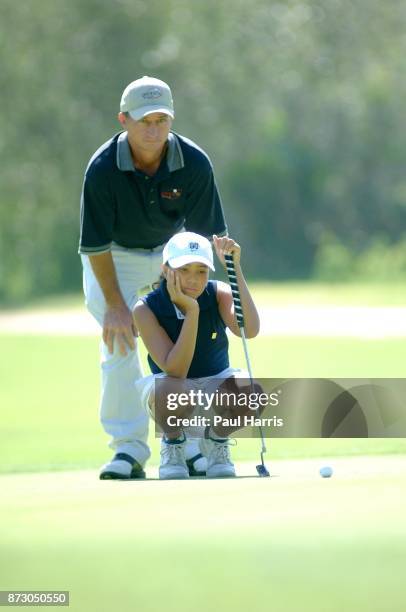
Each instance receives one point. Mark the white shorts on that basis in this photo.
(208, 384)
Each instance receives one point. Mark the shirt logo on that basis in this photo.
(173, 194)
(152, 94)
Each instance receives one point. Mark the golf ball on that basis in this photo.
(326, 471)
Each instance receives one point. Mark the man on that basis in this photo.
(141, 187)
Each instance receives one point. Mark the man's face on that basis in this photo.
(149, 133)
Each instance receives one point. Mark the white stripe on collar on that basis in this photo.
(179, 313)
(174, 155)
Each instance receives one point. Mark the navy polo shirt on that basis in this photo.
(211, 351)
(123, 205)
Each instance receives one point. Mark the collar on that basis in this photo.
(169, 309)
(174, 155)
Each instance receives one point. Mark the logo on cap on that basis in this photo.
(152, 94)
(194, 246)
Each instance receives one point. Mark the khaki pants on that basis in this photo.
(122, 414)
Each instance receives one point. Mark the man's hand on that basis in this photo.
(118, 325)
(185, 303)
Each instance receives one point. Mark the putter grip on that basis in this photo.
(234, 289)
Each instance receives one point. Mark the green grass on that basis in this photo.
(277, 294)
(289, 543)
(50, 389)
(285, 544)
(324, 294)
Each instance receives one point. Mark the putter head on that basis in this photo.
(262, 471)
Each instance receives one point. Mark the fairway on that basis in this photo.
(294, 542)
(291, 542)
(50, 391)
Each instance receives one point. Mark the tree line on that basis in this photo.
(300, 106)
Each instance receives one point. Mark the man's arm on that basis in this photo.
(204, 210)
(118, 322)
(97, 219)
(97, 214)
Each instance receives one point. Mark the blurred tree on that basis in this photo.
(299, 104)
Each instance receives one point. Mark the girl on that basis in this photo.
(183, 326)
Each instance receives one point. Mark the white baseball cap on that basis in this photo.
(145, 96)
(188, 247)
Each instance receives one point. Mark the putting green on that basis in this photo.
(50, 392)
(292, 542)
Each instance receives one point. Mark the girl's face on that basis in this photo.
(193, 278)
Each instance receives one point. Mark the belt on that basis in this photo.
(157, 249)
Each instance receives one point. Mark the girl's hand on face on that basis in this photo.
(185, 303)
(226, 246)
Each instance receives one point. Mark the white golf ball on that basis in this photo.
(326, 471)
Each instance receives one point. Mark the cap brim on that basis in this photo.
(148, 110)
(178, 262)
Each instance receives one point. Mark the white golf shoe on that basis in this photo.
(173, 461)
(219, 464)
(121, 467)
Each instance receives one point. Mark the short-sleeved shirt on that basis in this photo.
(121, 204)
(211, 351)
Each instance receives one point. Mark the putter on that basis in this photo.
(232, 277)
